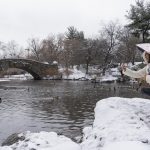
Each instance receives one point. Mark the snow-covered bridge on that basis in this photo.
(37, 69)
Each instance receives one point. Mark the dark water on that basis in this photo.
(62, 106)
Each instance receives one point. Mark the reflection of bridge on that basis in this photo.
(37, 69)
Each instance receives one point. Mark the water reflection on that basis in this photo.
(61, 106)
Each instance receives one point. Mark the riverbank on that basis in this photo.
(74, 74)
(120, 124)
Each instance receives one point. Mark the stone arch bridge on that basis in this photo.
(37, 69)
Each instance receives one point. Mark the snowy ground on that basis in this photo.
(43, 141)
(75, 74)
(80, 74)
(2, 80)
(17, 77)
(108, 78)
(120, 124)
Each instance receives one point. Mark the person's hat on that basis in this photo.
(144, 47)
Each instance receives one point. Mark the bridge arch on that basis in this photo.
(37, 69)
(35, 75)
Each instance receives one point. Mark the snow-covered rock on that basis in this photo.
(55, 62)
(45, 62)
(126, 145)
(43, 141)
(119, 120)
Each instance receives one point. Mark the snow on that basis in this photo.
(17, 77)
(2, 80)
(120, 124)
(55, 62)
(117, 122)
(74, 74)
(78, 73)
(45, 62)
(115, 72)
(108, 78)
(126, 145)
(43, 141)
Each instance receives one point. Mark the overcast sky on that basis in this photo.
(23, 19)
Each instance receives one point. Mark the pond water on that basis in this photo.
(65, 107)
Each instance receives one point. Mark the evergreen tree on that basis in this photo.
(139, 15)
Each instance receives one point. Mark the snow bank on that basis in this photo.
(115, 72)
(77, 74)
(74, 74)
(108, 78)
(43, 141)
(126, 145)
(2, 80)
(18, 77)
(119, 122)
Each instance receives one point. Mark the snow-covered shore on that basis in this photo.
(43, 141)
(18, 77)
(74, 74)
(3, 80)
(120, 124)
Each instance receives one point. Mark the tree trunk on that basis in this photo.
(143, 37)
(87, 67)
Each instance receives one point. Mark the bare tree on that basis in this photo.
(34, 46)
(11, 50)
(51, 48)
(89, 52)
(48, 49)
(74, 42)
(110, 35)
(66, 54)
(127, 49)
(2, 50)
